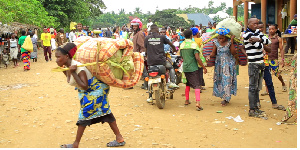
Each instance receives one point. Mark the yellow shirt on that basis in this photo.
(46, 38)
(198, 41)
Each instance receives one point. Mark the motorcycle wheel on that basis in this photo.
(178, 78)
(171, 96)
(160, 97)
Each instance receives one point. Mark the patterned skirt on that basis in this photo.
(26, 57)
(94, 103)
(225, 81)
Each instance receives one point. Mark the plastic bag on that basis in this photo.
(230, 23)
(28, 44)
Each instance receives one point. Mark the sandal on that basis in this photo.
(264, 93)
(284, 88)
(115, 144)
(66, 146)
(279, 107)
(224, 103)
(199, 108)
(187, 102)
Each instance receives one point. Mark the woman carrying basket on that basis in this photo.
(92, 93)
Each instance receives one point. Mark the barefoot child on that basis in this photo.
(92, 94)
(225, 82)
(189, 51)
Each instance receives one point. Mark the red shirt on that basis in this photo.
(175, 37)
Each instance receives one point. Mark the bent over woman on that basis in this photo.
(92, 95)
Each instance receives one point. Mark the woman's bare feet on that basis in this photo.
(224, 103)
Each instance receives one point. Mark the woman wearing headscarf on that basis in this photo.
(198, 40)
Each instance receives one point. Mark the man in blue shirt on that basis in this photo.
(166, 46)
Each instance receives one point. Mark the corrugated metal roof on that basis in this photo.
(200, 18)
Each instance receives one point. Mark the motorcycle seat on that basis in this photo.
(161, 69)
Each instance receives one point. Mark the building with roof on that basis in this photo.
(199, 18)
(279, 12)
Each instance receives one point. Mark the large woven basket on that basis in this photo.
(100, 50)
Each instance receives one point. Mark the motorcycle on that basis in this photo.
(157, 85)
(177, 65)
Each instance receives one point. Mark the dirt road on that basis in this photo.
(39, 110)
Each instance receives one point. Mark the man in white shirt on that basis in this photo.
(149, 25)
(72, 36)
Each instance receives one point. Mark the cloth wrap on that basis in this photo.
(105, 51)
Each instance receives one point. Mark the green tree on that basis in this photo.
(137, 10)
(240, 13)
(121, 11)
(168, 17)
(73, 10)
(210, 4)
(25, 11)
(217, 19)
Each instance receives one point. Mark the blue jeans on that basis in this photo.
(255, 72)
(269, 83)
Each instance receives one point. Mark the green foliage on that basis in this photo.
(240, 13)
(25, 11)
(82, 11)
(213, 10)
(59, 13)
(217, 19)
(168, 17)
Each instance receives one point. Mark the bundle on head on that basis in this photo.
(226, 27)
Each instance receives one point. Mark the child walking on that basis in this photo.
(225, 82)
(189, 51)
(5, 58)
(93, 96)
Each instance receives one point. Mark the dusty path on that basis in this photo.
(39, 110)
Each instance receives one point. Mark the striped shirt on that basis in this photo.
(255, 51)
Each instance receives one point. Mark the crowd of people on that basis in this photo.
(261, 50)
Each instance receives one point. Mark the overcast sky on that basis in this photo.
(150, 5)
